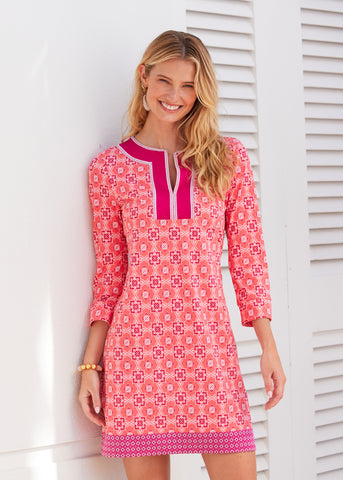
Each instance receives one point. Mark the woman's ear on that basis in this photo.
(143, 75)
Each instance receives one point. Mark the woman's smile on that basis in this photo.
(170, 107)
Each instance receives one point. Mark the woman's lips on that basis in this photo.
(170, 108)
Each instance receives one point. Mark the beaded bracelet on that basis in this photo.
(90, 366)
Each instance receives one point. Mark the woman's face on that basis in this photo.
(171, 93)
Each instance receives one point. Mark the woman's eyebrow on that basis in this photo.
(168, 78)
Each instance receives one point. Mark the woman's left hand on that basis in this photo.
(273, 375)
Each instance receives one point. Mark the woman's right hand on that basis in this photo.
(89, 397)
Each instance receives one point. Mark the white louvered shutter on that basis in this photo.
(322, 46)
(322, 34)
(328, 415)
(226, 28)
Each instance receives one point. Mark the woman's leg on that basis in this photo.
(231, 466)
(155, 467)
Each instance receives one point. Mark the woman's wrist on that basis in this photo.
(85, 367)
(264, 333)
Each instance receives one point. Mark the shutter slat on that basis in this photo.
(327, 127)
(332, 463)
(256, 397)
(248, 349)
(260, 430)
(325, 189)
(253, 381)
(258, 414)
(320, 173)
(326, 252)
(330, 447)
(329, 158)
(326, 339)
(321, 95)
(323, 80)
(323, 65)
(332, 220)
(234, 74)
(236, 90)
(329, 354)
(219, 23)
(236, 107)
(325, 205)
(329, 369)
(321, 49)
(327, 19)
(261, 446)
(237, 57)
(324, 111)
(249, 365)
(322, 34)
(329, 416)
(240, 124)
(322, 5)
(328, 236)
(229, 8)
(328, 400)
(324, 142)
(330, 384)
(234, 41)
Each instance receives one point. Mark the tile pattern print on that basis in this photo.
(172, 381)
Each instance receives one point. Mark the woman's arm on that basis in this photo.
(89, 396)
(271, 368)
(96, 342)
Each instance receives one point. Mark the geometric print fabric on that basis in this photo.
(171, 372)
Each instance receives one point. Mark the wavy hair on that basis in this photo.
(205, 151)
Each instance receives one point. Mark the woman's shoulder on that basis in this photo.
(108, 157)
(239, 151)
(234, 144)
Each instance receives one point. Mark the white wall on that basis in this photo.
(66, 72)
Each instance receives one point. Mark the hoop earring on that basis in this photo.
(145, 105)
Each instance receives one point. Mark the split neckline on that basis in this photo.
(153, 148)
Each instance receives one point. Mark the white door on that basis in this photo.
(322, 40)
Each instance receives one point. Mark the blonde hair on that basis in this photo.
(205, 150)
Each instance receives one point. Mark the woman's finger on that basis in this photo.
(278, 390)
(88, 409)
(87, 404)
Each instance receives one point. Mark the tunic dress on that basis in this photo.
(171, 382)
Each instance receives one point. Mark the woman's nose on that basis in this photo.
(173, 94)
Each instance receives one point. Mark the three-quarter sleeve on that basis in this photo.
(109, 242)
(246, 251)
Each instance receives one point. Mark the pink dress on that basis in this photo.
(171, 381)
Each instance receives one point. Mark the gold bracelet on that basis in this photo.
(90, 366)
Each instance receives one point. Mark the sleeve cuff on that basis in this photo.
(100, 312)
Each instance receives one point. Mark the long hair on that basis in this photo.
(205, 150)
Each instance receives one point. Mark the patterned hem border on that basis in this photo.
(171, 443)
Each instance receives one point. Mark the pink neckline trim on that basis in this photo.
(151, 148)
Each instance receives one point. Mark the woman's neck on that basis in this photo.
(163, 136)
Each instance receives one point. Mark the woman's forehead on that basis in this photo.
(175, 67)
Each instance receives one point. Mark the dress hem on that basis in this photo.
(178, 442)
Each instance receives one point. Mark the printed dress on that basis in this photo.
(171, 382)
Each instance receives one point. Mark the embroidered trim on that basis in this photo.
(168, 203)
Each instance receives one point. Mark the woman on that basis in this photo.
(162, 201)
